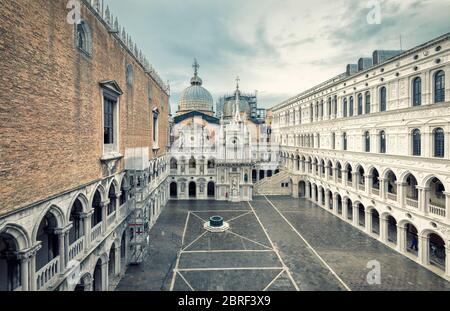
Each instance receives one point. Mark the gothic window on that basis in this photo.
(344, 107)
(367, 141)
(367, 102)
(344, 139)
(417, 92)
(360, 104)
(150, 91)
(333, 141)
(351, 108)
(416, 142)
(439, 87)
(318, 140)
(383, 99)
(382, 142)
(439, 144)
(83, 38)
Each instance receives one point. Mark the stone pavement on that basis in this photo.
(275, 243)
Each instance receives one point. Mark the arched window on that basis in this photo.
(417, 91)
(318, 140)
(329, 106)
(416, 142)
(367, 102)
(351, 107)
(344, 141)
(382, 99)
(439, 144)
(83, 38)
(367, 141)
(344, 107)
(382, 142)
(360, 104)
(335, 105)
(333, 141)
(439, 87)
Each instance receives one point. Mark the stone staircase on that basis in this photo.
(272, 185)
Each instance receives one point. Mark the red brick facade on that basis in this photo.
(51, 126)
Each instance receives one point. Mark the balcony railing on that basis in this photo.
(211, 171)
(96, 231)
(375, 191)
(76, 248)
(111, 218)
(47, 273)
(412, 202)
(437, 210)
(361, 187)
(392, 196)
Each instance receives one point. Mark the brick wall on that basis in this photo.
(50, 102)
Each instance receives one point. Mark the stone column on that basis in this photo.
(327, 201)
(345, 209)
(382, 188)
(295, 190)
(33, 281)
(87, 218)
(313, 193)
(335, 204)
(117, 260)
(344, 177)
(401, 191)
(401, 238)
(384, 227)
(63, 243)
(355, 180)
(447, 258)
(105, 281)
(335, 175)
(307, 190)
(368, 220)
(423, 199)
(368, 184)
(356, 215)
(25, 259)
(423, 250)
(104, 206)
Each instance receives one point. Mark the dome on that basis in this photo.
(228, 107)
(195, 97)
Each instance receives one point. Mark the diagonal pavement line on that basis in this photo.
(243, 237)
(273, 281)
(237, 217)
(310, 247)
(273, 246)
(185, 281)
(201, 235)
(193, 213)
(172, 284)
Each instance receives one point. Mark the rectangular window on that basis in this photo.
(108, 121)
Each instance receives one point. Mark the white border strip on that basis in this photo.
(309, 246)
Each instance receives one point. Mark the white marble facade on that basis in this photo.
(388, 158)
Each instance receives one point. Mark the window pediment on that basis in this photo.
(111, 85)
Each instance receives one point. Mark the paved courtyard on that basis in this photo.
(274, 243)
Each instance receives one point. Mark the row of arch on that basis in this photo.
(402, 187)
(426, 244)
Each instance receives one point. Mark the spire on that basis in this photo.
(237, 115)
(196, 79)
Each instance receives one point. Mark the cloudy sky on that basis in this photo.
(278, 47)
